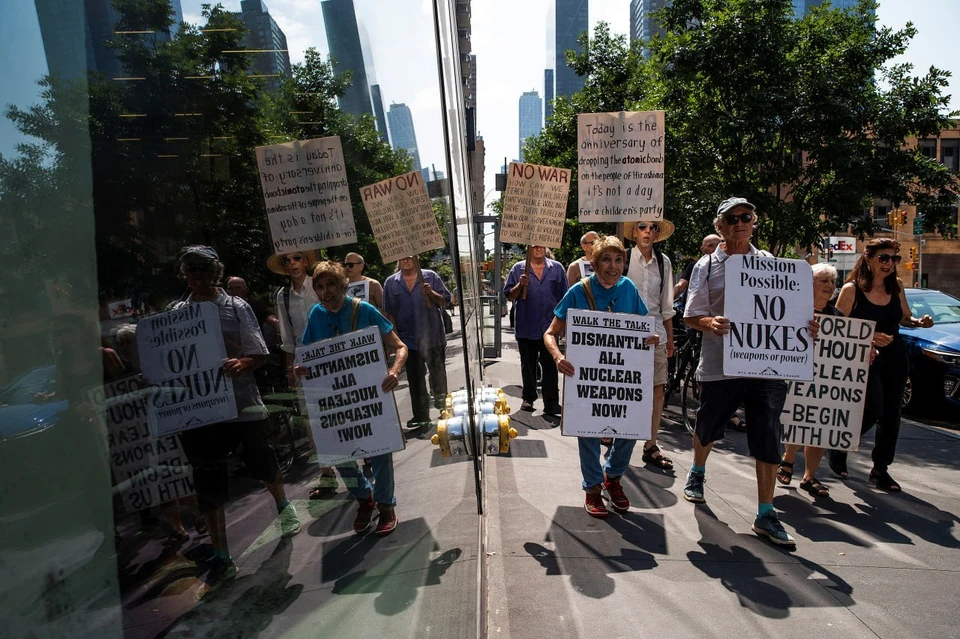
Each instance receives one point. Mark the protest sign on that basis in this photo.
(620, 166)
(610, 393)
(586, 269)
(535, 205)
(769, 302)
(401, 216)
(827, 412)
(182, 355)
(149, 470)
(350, 416)
(360, 290)
(306, 195)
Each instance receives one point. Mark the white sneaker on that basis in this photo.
(289, 522)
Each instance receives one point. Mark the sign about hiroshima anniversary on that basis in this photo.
(401, 216)
(182, 356)
(305, 192)
(350, 415)
(610, 393)
(620, 166)
(535, 205)
(827, 412)
(769, 302)
(148, 470)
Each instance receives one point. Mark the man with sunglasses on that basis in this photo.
(358, 284)
(581, 267)
(652, 272)
(720, 396)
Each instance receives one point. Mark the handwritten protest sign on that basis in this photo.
(611, 391)
(182, 355)
(360, 290)
(401, 216)
(535, 205)
(350, 416)
(769, 302)
(827, 412)
(306, 195)
(620, 166)
(149, 470)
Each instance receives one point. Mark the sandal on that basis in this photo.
(785, 472)
(884, 481)
(737, 424)
(654, 457)
(606, 441)
(814, 487)
(838, 464)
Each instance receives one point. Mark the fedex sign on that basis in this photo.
(843, 245)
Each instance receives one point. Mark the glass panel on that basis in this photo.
(168, 472)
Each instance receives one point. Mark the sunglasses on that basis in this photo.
(197, 268)
(351, 264)
(746, 218)
(885, 258)
(642, 226)
(287, 259)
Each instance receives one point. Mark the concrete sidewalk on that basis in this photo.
(867, 563)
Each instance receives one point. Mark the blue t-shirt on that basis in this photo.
(622, 297)
(322, 324)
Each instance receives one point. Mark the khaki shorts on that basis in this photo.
(660, 365)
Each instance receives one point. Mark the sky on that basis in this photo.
(508, 37)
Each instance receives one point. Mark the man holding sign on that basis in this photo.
(720, 396)
(338, 314)
(605, 290)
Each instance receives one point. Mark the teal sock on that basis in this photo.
(698, 469)
(222, 554)
(763, 509)
(282, 504)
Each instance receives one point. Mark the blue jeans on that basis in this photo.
(359, 486)
(616, 464)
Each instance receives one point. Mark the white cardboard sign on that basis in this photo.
(827, 412)
(769, 302)
(535, 205)
(360, 290)
(350, 415)
(401, 216)
(611, 391)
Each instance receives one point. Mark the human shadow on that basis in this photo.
(910, 513)
(653, 485)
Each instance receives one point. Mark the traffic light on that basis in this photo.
(890, 219)
(903, 218)
(913, 253)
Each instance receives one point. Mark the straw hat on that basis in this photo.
(666, 229)
(273, 262)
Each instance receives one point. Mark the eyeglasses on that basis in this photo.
(197, 268)
(731, 219)
(351, 264)
(642, 226)
(287, 259)
(886, 258)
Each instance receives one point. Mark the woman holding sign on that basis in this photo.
(874, 292)
(605, 290)
(338, 314)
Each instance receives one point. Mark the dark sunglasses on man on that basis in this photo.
(731, 219)
(351, 264)
(653, 226)
(885, 258)
(288, 259)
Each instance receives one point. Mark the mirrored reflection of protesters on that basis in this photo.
(207, 447)
(544, 286)
(416, 309)
(874, 292)
(612, 293)
(354, 265)
(336, 315)
(720, 395)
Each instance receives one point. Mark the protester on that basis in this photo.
(354, 265)
(580, 267)
(237, 286)
(544, 287)
(720, 395)
(207, 447)
(708, 246)
(824, 285)
(415, 307)
(338, 314)
(605, 290)
(651, 271)
(874, 292)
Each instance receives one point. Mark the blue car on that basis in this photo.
(23, 409)
(934, 354)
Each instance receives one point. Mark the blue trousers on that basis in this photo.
(360, 487)
(615, 466)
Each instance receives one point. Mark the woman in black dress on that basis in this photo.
(874, 292)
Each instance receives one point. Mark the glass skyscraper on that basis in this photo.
(570, 20)
(343, 40)
(264, 35)
(531, 117)
(402, 134)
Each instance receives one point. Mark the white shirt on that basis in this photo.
(301, 301)
(646, 275)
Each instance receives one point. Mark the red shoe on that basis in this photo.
(594, 505)
(387, 522)
(618, 498)
(364, 514)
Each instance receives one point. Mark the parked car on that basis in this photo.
(23, 407)
(934, 353)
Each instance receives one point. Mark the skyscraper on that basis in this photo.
(402, 135)
(343, 41)
(643, 26)
(800, 7)
(531, 117)
(547, 94)
(571, 19)
(375, 93)
(264, 36)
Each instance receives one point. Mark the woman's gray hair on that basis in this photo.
(822, 268)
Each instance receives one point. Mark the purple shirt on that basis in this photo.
(418, 326)
(535, 313)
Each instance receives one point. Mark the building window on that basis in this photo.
(928, 148)
(950, 153)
